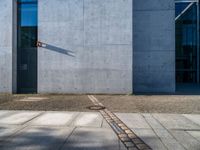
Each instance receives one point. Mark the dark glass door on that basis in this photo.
(187, 53)
(27, 50)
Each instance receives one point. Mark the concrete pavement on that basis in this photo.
(22, 130)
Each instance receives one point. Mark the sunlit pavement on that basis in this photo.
(35, 130)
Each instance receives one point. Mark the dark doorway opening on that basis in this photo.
(26, 46)
(187, 45)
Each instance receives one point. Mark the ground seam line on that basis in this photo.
(190, 120)
(168, 131)
(73, 120)
(9, 137)
(67, 137)
(155, 132)
(193, 136)
(28, 121)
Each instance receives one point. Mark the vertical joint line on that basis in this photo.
(198, 46)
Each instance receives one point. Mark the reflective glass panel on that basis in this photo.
(186, 42)
(27, 25)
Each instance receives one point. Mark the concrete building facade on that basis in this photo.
(88, 46)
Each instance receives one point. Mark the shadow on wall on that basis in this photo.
(56, 49)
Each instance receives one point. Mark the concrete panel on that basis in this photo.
(153, 4)
(6, 46)
(105, 124)
(88, 120)
(152, 122)
(18, 118)
(194, 118)
(92, 138)
(151, 34)
(40, 138)
(105, 24)
(150, 138)
(96, 72)
(61, 34)
(6, 11)
(167, 139)
(134, 121)
(93, 24)
(6, 131)
(189, 142)
(4, 113)
(6, 34)
(154, 61)
(89, 48)
(153, 46)
(175, 121)
(70, 11)
(195, 134)
(154, 81)
(117, 22)
(6, 70)
(54, 119)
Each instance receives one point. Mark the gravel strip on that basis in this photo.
(49, 103)
(151, 104)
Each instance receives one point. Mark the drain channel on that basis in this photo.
(96, 107)
(130, 140)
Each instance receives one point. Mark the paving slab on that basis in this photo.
(18, 117)
(189, 142)
(168, 140)
(150, 138)
(175, 121)
(195, 134)
(5, 113)
(8, 130)
(105, 124)
(121, 146)
(136, 121)
(37, 138)
(194, 118)
(25, 130)
(153, 123)
(88, 119)
(54, 119)
(92, 139)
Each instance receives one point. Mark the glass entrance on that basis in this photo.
(187, 41)
(26, 46)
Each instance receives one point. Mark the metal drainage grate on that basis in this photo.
(96, 107)
(125, 134)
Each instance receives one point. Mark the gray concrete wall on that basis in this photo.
(153, 46)
(5, 46)
(89, 46)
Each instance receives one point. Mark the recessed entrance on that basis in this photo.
(187, 41)
(26, 46)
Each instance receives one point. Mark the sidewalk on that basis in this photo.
(22, 130)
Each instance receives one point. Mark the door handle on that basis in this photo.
(40, 44)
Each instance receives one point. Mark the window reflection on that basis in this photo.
(27, 23)
(186, 42)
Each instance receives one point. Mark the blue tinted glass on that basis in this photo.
(22, 1)
(180, 7)
(186, 42)
(28, 14)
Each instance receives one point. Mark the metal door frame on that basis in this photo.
(18, 87)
